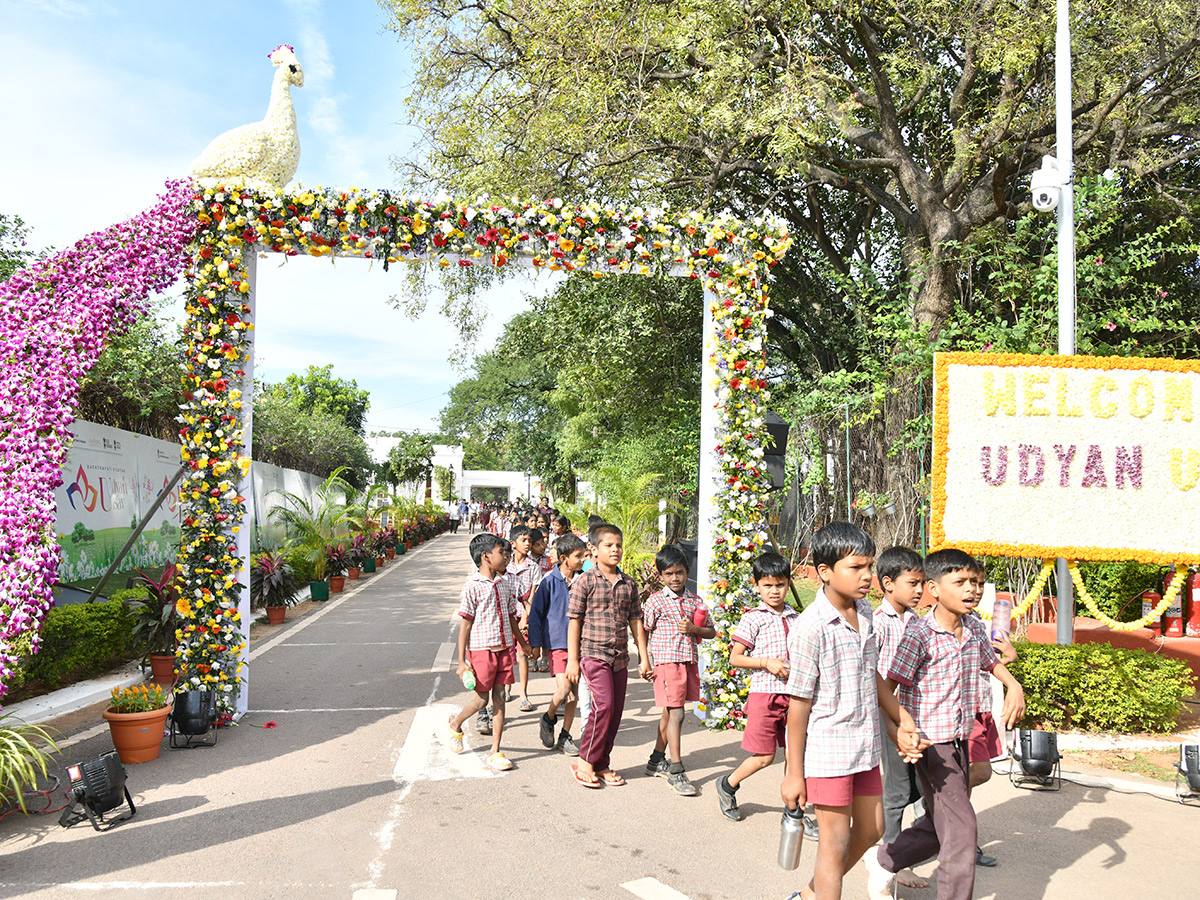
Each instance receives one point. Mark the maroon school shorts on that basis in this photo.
(766, 723)
(491, 667)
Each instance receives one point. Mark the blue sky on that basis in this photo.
(104, 101)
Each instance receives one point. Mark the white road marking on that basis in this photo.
(425, 758)
(653, 889)
(445, 656)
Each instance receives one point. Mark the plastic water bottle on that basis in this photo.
(791, 837)
(468, 680)
(1001, 617)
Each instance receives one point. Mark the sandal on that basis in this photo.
(594, 783)
(454, 739)
(611, 778)
(526, 706)
(499, 762)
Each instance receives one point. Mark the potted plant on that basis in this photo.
(273, 585)
(336, 563)
(390, 539)
(25, 750)
(885, 502)
(379, 547)
(312, 524)
(357, 553)
(136, 716)
(154, 622)
(865, 503)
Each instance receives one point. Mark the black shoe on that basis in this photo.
(982, 859)
(567, 744)
(658, 768)
(682, 785)
(727, 799)
(546, 730)
(810, 828)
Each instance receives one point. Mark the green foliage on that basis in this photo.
(272, 581)
(1116, 586)
(81, 641)
(1094, 686)
(154, 618)
(318, 391)
(445, 481)
(311, 441)
(14, 240)
(25, 752)
(313, 523)
(135, 383)
(137, 592)
(411, 459)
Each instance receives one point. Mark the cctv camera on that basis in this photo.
(1046, 185)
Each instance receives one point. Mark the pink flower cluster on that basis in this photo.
(54, 319)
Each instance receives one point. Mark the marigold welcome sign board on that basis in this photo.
(1080, 457)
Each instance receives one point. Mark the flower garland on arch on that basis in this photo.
(54, 319)
(734, 259)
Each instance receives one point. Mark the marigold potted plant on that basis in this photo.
(136, 718)
(273, 585)
(154, 622)
(336, 561)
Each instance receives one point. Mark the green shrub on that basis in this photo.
(133, 593)
(303, 568)
(1114, 585)
(81, 641)
(1094, 686)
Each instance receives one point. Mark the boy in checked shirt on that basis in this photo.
(833, 743)
(937, 666)
(489, 628)
(759, 643)
(669, 616)
(603, 605)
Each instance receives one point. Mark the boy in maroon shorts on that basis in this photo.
(833, 741)
(485, 641)
(759, 643)
(548, 635)
(669, 618)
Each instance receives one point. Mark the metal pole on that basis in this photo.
(1066, 260)
(848, 500)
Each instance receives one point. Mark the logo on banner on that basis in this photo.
(84, 489)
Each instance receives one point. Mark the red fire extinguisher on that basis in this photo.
(1151, 599)
(1172, 620)
(1192, 627)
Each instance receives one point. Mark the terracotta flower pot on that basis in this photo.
(162, 667)
(137, 736)
(337, 584)
(275, 614)
(380, 561)
(353, 572)
(391, 553)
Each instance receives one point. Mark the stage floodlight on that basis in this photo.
(1034, 761)
(95, 788)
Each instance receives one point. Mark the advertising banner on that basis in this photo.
(1078, 457)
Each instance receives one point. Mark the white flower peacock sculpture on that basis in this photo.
(264, 154)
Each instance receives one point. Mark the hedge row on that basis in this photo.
(1097, 687)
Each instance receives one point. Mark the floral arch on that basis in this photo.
(214, 235)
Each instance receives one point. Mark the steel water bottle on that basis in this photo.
(791, 837)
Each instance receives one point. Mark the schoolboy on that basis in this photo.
(901, 573)
(548, 636)
(833, 742)
(759, 643)
(603, 605)
(558, 527)
(521, 572)
(668, 615)
(485, 641)
(540, 569)
(936, 666)
(985, 744)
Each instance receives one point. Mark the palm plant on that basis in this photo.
(632, 504)
(25, 752)
(312, 524)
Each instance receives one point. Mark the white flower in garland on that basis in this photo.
(262, 154)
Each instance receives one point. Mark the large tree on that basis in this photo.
(923, 115)
(319, 391)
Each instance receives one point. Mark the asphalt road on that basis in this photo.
(350, 795)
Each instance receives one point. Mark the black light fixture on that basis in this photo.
(192, 717)
(1187, 774)
(774, 456)
(1034, 760)
(96, 787)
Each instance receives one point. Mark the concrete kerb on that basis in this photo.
(39, 710)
